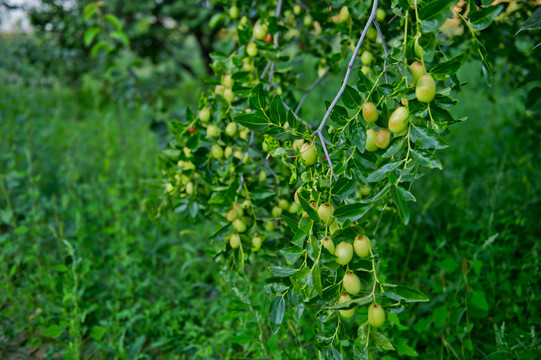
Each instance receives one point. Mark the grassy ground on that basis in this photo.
(85, 272)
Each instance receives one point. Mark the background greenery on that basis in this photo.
(86, 273)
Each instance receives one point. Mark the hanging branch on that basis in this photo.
(387, 53)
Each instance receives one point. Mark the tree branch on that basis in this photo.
(387, 53)
(307, 92)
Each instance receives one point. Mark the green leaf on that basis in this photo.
(99, 46)
(427, 138)
(395, 147)
(404, 349)
(332, 354)
(282, 271)
(447, 68)
(351, 98)
(90, 35)
(316, 279)
(121, 37)
(256, 121)
(113, 20)
(364, 85)
(243, 338)
(89, 11)
(481, 19)
(277, 111)
(348, 304)
(381, 340)
(406, 293)
(432, 9)
(292, 254)
(406, 194)
(309, 210)
(53, 332)
(277, 311)
(291, 119)
(382, 172)
(343, 187)
(401, 205)
(534, 22)
(479, 300)
(352, 212)
(257, 98)
(98, 332)
(357, 135)
(426, 159)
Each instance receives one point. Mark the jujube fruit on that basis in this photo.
(325, 212)
(362, 246)
(346, 313)
(383, 139)
(376, 315)
(234, 241)
(328, 244)
(371, 140)
(343, 253)
(398, 120)
(426, 88)
(370, 112)
(351, 283)
(309, 154)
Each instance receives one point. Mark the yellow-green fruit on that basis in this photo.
(239, 225)
(418, 48)
(293, 208)
(276, 211)
(256, 243)
(328, 244)
(308, 21)
(229, 95)
(371, 140)
(325, 212)
(244, 20)
(251, 49)
(344, 14)
(365, 69)
(231, 215)
(297, 9)
(367, 58)
(204, 114)
(362, 246)
(217, 151)
(228, 151)
(190, 188)
(335, 226)
(383, 139)
(238, 209)
(365, 191)
(370, 113)
(234, 241)
(231, 129)
(260, 32)
(247, 65)
(351, 283)
(425, 89)
(219, 90)
(269, 225)
(371, 34)
(309, 154)
(399, 120)
(380, 14)
(346, 313)
(417, 70)
(244, 134)
(343, 253)
(228, 81)
(283, 203)
(262, 176)
(297, 144)
(212, 131)
(376, 315)
(234, 12)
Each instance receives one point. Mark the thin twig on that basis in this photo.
(307, 92)
(387, 53)
(350, 67)
(250, 142)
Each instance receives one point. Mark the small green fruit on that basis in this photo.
(371, 140)
(370, 112)
(380, 14)
(346, 313)
(325, 212)
(219, 90)
(234, 241)
(231, 129)
(228, 81)
(229, 95)
(269, 225)
(367, 58)
(365, 69)
(239, 225)
(308, 21)
(383, 139)
(283, 203)
(217, 151)
(256, 243)
(343, 253)
(238, 209)
(328, 244)
(276, 212)
(351, 283)
(426, 88)
(204, 114)
(376, 315)
(213, 131)
(417, 70)
(251, 49)
(362, 246)
(309, 154)
(293, 208)
(399, 120)
(344, 14)
(234, 12)
(260, 31)
(297, 9)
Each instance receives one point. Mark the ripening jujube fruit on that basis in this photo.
(371, 140)
(344, 14)
(190, 188)
(343, 253)
(256, 243)
(244, 134)
(293, 208)
(234, 12)
(204, 114)
(217, 151)
(276, 212)
(418, 48)
(297, 9)
(362, 246)
(191, 129)
(297, 144)
(269, 225)
(346, 313)
(376, 315)
(365, 69)
(426, 88)
(238, 209)
(228, 151)
(212, 131)
(307, 21)
(268, 38)
(219, 90)
(328, 244)
(229, 95)
(228, 81)
(351, 283)
(398, 120)
(239, 225)
(417, 70)
(231, 129)
(234, 241)
(380, 14)
(325, 212)
(260, 31)
(231, 215)
(283, 203)
(367, 58)
(383, 139)
(370, 112)
(262, 176)
(309, 153)
(251, 49)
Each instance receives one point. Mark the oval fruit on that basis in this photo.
(383, 139)
(343, 253)
(234, 241)
(228, 81)
(239, 225)
(398, 120)
(376, 315)
(256, 243)
(260, 31)
(251, 49)
(371, 140)
(297, 9)
(269, 225)
(380, 14)
(328, 244)
(346, 313)
(370, 113)
(367, 58)
(217, 152)
(231, 129)
(229, 95)
(325, 212)
(213, 131)
(426, 88)
(283, 203)
(362, 246)
(309, 154)
(276, 212)
(293, 208)
(344, 14)
(204, 114)
(268, 38)
(351, 283)
(417, 70)
(234, 12)
(219, 90)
